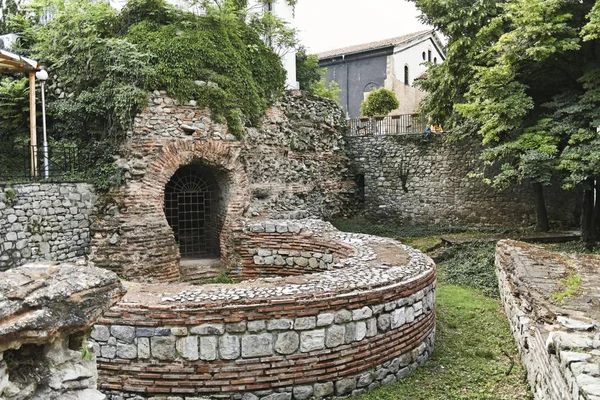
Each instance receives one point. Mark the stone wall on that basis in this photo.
(420, 179)
(294, 160)
(367, 322)
(45, 311)
(44, 222)
(283, 248)
(558, 341)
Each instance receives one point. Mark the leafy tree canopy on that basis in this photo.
(379, 102)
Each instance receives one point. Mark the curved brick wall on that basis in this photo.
(366, 322)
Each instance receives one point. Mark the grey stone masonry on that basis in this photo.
(44, 221)
(422, 179)
(561, 354)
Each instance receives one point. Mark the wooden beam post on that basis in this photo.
(32, 127)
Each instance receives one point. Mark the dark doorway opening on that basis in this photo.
(192, 210)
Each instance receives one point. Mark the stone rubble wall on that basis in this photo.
(322, 335)
(44, 221)
(561, 355)
(45, 311)
(294, 160)
(283, 248)
(421, 179)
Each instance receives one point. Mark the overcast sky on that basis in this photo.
(330, 24)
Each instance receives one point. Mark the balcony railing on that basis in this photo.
(391, 125)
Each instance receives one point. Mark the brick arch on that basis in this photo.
(138, 242)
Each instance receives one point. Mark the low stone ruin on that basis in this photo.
(559, 341)
(46, 310)
(347, 315)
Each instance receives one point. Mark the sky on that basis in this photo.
(331, 24)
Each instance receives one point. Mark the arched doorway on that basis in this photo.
(192, 210)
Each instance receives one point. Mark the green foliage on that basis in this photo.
(10, 197)
(570, 286)
(331, 91)
(379, 102)
(471, 265)
(308, 72)
(105, 63)
(14, 109)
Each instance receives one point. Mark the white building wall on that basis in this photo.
(413, 57)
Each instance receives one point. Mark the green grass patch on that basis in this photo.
(468, 362)
(473, 339)
(570, 286)
(470, 265)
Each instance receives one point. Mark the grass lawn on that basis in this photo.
(472, 333)
(468, 361)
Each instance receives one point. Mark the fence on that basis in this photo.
(30, 163)
(392, 125)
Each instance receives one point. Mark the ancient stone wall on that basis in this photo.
(366, 322)
(46, 310)
(558, 341)
(420, 179)
(294, 160)
(283, 248)
(44, 222)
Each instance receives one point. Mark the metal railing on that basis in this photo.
(391, 125)
(31, 163)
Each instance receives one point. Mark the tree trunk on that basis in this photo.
(588, 231)
(597, 209)
(540, 208)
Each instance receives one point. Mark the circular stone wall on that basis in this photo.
(365, 320)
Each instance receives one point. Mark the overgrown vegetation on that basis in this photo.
(494, 83)
(471, 265)
(569, 286)
(379, 102)
(474, 347)
(312, 78)
(104, 63)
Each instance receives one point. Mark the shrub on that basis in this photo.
(379, 102)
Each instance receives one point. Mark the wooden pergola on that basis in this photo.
(13, 63)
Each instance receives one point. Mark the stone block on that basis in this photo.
(278, 396)
(335, 336)
(127, 351)
(361, 330)
(325, 319)
(108, 351)
(208, 329)
(304, 323)
(100, 333)
(163, 347)
(144, 332)
(280, 324)
(302, 392)
(187, 347)
(256, 326)
(322, 390)
(209, 349)
(124, 333)
(229, 347)
(362, 313)
(312, 340)
(398, 318)
(143, 347)
(343, 316)
(345, 386)
(236, 327)
(257, 345)
(287, 343)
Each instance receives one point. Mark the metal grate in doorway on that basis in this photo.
(191, 209)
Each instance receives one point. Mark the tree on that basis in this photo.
(529, 89)
(379, 102)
